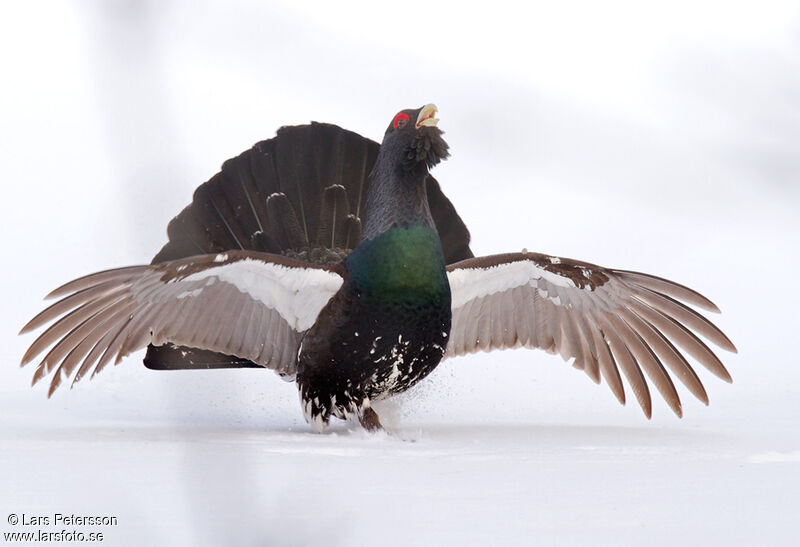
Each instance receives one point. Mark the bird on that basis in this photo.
(340, 264)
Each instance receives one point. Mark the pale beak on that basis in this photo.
(426, 116)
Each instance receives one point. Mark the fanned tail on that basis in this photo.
(299, 194)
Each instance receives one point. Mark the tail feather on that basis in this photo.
(452, 230)
(214, 212)
(284, 226)
(263, 243)
(332, 229)
(353, 229)
(187, 237)
(300, 194)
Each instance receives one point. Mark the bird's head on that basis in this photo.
(413, 141)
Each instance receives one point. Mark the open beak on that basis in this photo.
(426, 116)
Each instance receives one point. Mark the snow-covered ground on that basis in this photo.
(660, 139)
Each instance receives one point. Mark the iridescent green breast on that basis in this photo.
(400, 264)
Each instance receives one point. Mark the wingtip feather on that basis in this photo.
(38, 375)
(54, 383)
(728, 379)
(660, 284)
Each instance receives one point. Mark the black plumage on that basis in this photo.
(341, 264)
(309, 179)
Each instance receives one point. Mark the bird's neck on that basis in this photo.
(400, 255)
(396, 199)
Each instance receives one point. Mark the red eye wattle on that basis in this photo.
(400, 120)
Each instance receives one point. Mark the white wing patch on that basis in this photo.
(469, 284)
(297, 294)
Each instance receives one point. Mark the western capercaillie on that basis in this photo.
(340, 264)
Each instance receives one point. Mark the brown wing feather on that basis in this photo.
(212, 303)
(606, 320)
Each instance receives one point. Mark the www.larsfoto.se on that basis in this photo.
(45, 536)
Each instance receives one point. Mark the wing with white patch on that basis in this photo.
(247, 304)
(604, 319)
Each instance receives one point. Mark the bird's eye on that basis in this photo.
(400, 120)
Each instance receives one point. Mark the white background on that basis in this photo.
(660, 138)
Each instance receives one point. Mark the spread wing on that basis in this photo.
(606, 320)
(242, 303)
